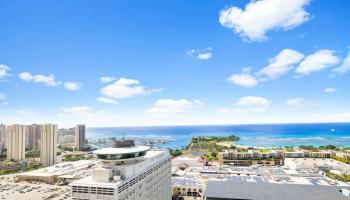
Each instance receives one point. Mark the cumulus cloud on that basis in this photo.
(318, 61)
(231, 111)
(330, 90)
(172, 106)
(345, 66)
(126, 88)
(3, 71)
(107, 79)
(73, 86)
(258, 17)
(280, 65)
(48, 80)
(244, 79)
(252, 104)
(76, 109)
(202, 54)
(299, 102)
(106, 100)
(252, 101)
(85, 114)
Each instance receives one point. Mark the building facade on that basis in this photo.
(33, 137)
(127, 173)
(80, 137)
(15, 142)
(251, 157)
(48, 152)
(2, 137)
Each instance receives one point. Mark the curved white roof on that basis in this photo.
(125, 150)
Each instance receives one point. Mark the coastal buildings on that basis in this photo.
(48, 144)
(80, 137)
(127, 172)
(251, 157)
(15, 142)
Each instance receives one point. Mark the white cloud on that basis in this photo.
(299, 102)
(252, 104)
(85, 114)
(282, 63)
(330, 90)
(73, 86)
(345, 66)
(76, 109)
(172, 106)
(252, 101)
(259, 17)
(106, 100)
(318, 61)
(244, 79)
(202, 54)
(107, 79)
(231, 111)
(48, 80)
(3, 96)
(126, 88)
(3, 71)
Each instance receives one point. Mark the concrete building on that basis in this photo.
(53, 173)
(15, 142)
(251, 157)
(48, 152)
(33, 137)
(66, 135)
(2, 137)
(128, 172)
(80, 137)
(183, 186)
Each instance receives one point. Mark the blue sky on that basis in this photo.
(174, 62)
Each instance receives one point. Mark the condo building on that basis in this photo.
(15, 142)
(80, 137)
(128, 172)
(33, 137)
(48, 152)
(251, 157)
(2, 137)
(66, 135)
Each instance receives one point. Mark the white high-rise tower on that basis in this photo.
(80, 137)
(15, 142)
(128, 172)
(48, 144)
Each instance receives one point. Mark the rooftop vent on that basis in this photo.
(123, 143)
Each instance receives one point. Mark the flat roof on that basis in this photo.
(134, 149)
(243, 189)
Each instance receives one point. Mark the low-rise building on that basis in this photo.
(251, 157)
(182, 186)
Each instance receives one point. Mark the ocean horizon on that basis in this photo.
(262, 135)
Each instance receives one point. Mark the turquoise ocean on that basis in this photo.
(266, 135)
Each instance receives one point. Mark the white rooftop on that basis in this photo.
(124, 150)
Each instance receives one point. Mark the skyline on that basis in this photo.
(224, 63)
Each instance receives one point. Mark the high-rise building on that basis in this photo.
(33, 137)
(48, 144)
(80, 137)
(15, 142)
(66, 135)
(127, 172)
(2, 137)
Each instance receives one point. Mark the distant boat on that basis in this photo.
(333, 130)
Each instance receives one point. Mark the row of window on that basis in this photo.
(120, 156)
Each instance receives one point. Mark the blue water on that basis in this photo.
(267, 135)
